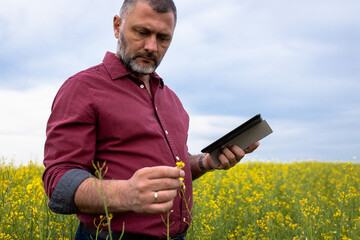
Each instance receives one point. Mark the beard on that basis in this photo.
(129, 59)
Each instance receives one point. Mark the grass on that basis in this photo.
(305, 200)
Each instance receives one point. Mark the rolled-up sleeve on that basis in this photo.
(62, 198)
(70, 143)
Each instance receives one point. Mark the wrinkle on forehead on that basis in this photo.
(158, 8)
(143, 15)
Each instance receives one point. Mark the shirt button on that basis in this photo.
(166, 132)
(142, 86)
(177, 158)
(184, 219)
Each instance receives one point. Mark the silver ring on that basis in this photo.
(156, 196)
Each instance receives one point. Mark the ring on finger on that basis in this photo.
(156, 196)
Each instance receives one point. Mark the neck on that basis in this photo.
(144, 78)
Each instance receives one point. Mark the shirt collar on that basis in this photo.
(117, 69)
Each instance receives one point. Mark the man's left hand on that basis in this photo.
(230, 155)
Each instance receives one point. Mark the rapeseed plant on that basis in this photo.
(179, 165)
(24, 213)
(305, 200)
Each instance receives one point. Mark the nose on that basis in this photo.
(151, 44)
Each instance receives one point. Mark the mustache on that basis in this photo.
(147, 55)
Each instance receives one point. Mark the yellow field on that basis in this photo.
(24, 213)
(306, 200)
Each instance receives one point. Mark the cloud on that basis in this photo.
(296, 63)
(52, 39)
(23, 122)
(291, 140)
(299, 49)
(45, 22)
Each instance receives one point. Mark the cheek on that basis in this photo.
(135, 45)
(162, 51)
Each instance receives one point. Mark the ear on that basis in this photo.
(117, 24)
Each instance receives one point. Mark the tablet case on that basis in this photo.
(243, 136)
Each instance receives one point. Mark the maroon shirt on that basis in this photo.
(105, 114)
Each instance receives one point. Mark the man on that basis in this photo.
(121, 114)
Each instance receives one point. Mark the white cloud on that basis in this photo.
(291, 140)
(23, 122)
(297, 62)
(40, 19)
(25, 113)
(264, 34)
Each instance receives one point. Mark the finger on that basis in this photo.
(161, 184)
(225, 164)
(158, 208)
(163, 172)
(162, 203)
(252, 147)
(163, 196)
(237, 151)
(229, 155)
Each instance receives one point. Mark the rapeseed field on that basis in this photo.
(305, 200)
(254, 200)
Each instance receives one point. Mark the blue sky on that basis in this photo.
(295, 62)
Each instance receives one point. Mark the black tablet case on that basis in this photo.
(243, 136)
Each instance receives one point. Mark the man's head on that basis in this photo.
(144, 30)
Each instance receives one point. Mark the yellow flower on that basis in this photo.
(180, 165)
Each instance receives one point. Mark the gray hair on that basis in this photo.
(159, 6)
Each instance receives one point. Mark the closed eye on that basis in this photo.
(164, 37)
(141, 31)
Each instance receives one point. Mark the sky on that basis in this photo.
(297, 63)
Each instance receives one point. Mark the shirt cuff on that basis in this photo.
(62, 199)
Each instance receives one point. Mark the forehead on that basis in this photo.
(143, 15)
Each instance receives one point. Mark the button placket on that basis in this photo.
(167, 133)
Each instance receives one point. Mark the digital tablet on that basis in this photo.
(243, 136)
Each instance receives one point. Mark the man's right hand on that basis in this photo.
(136, 194)
(146, 183)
